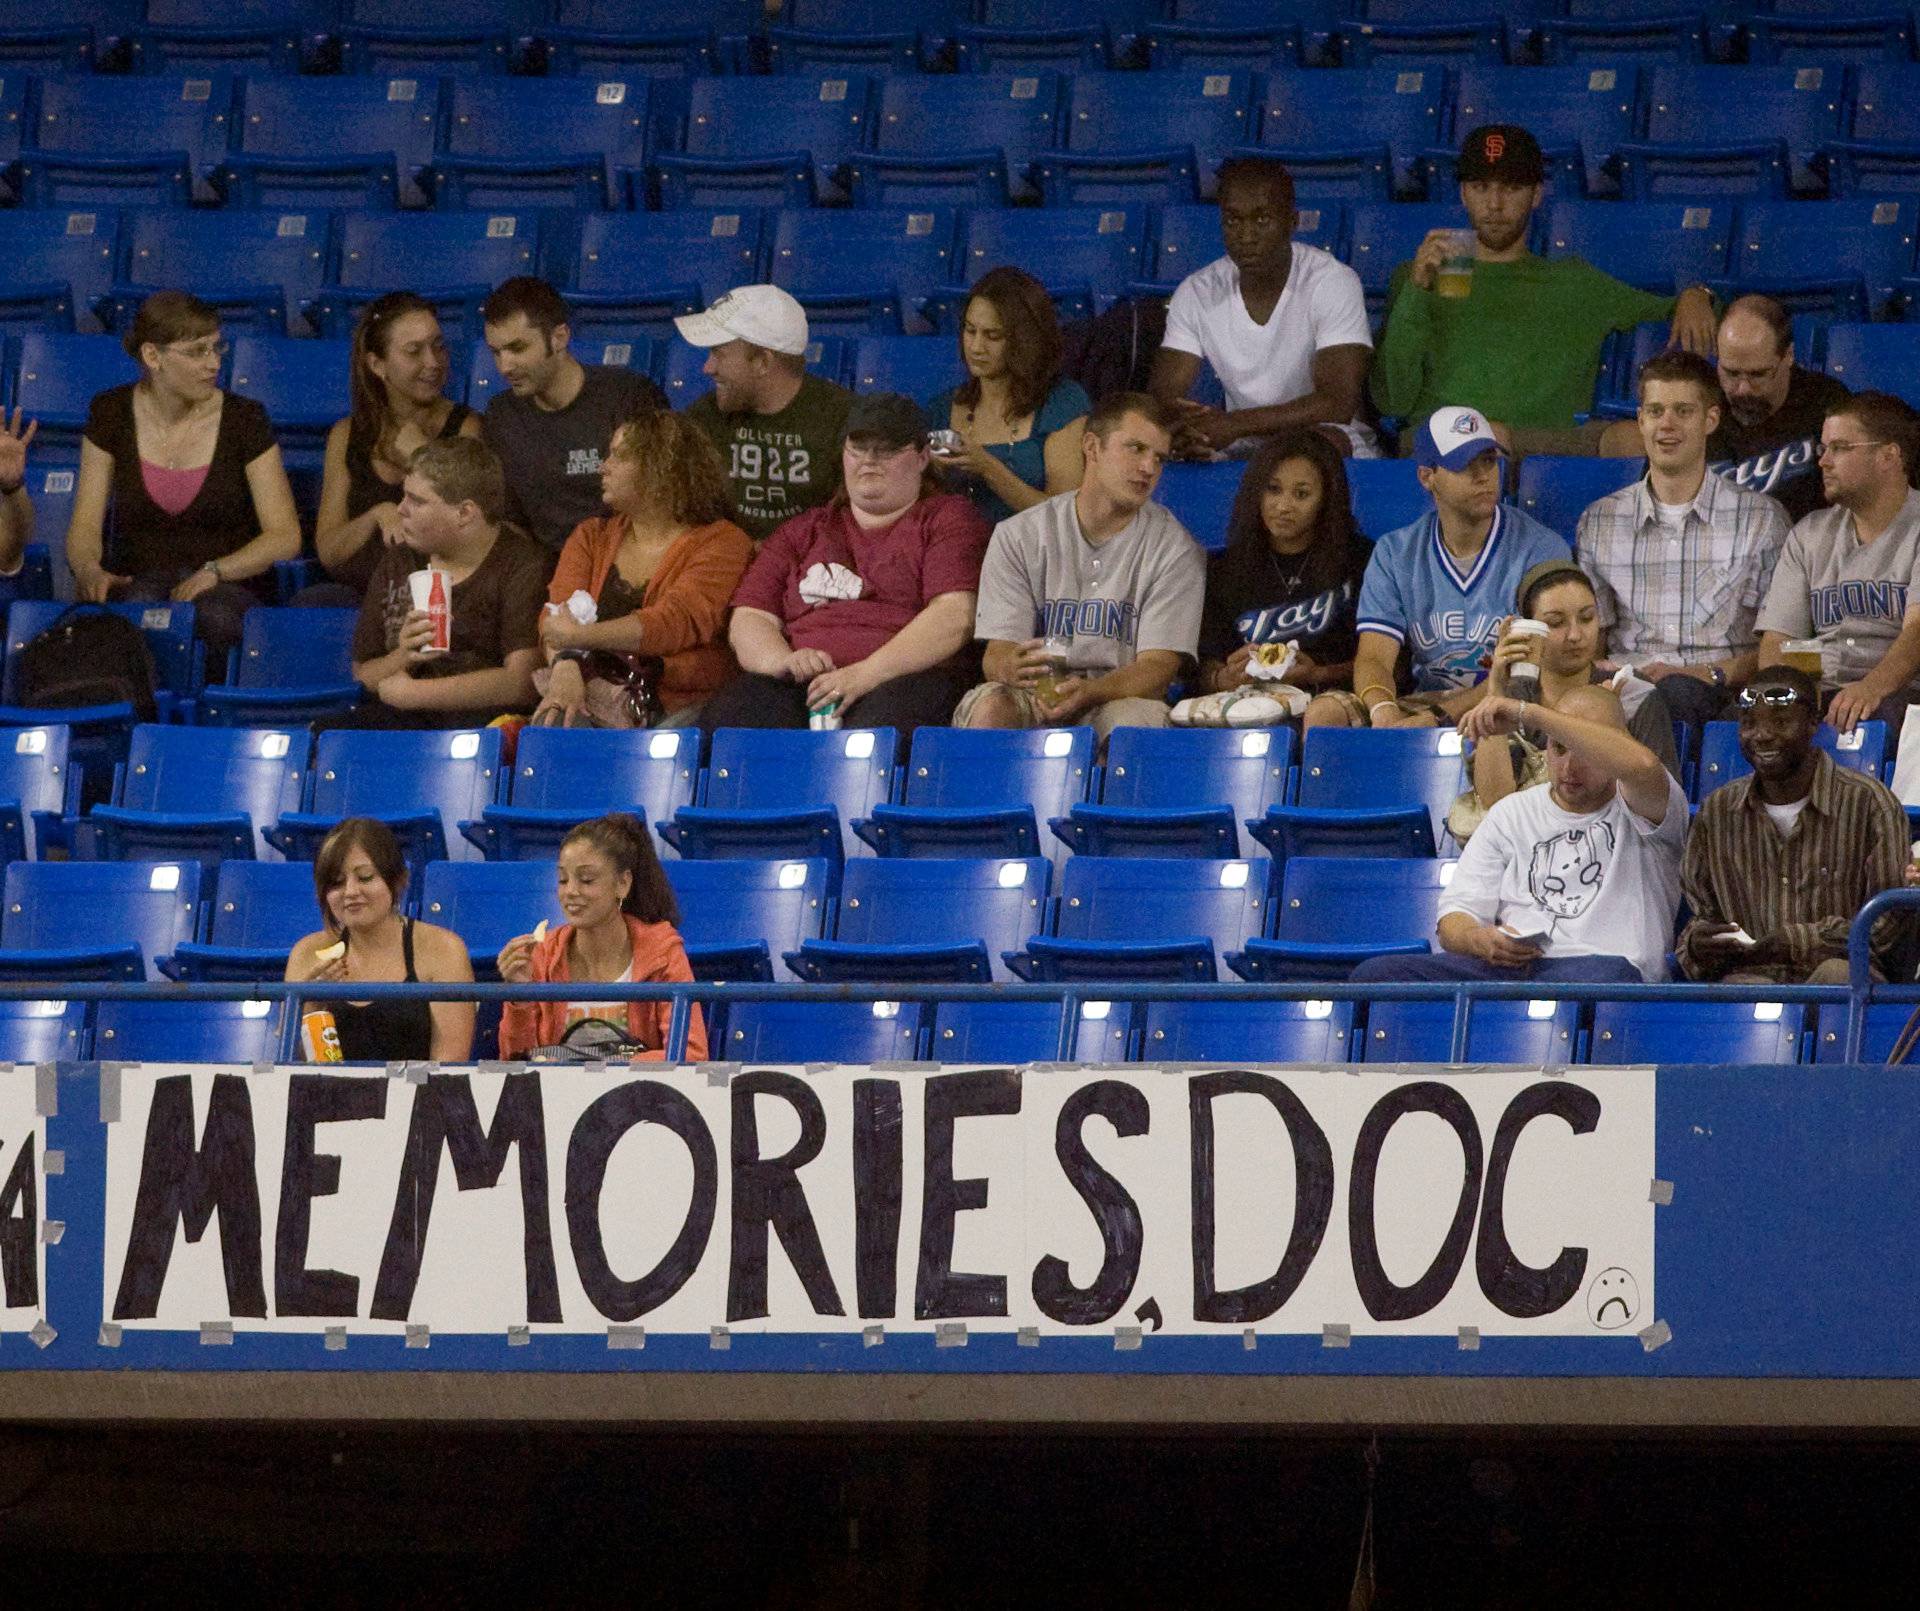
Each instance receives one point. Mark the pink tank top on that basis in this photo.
(172, 490)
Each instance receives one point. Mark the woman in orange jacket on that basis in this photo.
(621, 928)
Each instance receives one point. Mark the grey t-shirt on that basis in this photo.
(1140, 589)
(1853, 597)
(552, 456)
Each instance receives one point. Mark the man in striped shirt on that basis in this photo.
(1779, 861)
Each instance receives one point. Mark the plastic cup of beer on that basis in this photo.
(1046, 686)
(1803, 654)
(1523, 676)
(1455, 277)
(433, 595)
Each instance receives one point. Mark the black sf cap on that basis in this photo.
(1502, 151)
(888, 418)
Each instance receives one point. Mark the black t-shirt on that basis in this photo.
(552, 456)
(1776, 456)
(1252, 598)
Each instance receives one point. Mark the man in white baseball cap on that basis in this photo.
(776, 426)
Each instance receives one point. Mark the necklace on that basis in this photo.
(168, 439)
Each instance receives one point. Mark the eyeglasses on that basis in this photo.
(1780, 698)
(212, 347)
(1827, 450)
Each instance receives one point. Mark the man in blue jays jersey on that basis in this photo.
(1435, 592)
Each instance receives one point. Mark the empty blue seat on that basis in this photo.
(933, 20)
(292, 666)
(1002, 122)
(1315, 1032)
(1028, 1032)
(1790, 113)
(1581, 116)
(766, 141)
(55, 377)
(1844, 258)
(1556, 490)
(70, 921)
(1862, 750)
(552, 142)
(259, 911)
(563, 776)
(1336, 911)
(920, 366)
(1277, 40)
(799, 50)
(1386, 494)
(129, 145)
(1355, 135)
(1884, 1025)
(488, 903)
(1171, 791)
(1381, 830)
(201, 792)
(1876, 357)
(1541, 1034)
(620, 253)
(43, 1031)
(1882, 33)
(1658, 245)
(261, 271)
(265, 36)
(1122, 20)
(38, 787)
(737, 916)
(244, 1032)
(1881, 152)
(452, 259)
(422, 785)
(599, 39)
(1366, 768)
(981, 792)
(1157, 138)
(303, 385)
(1436, 40)
(1200, 497)
(820, 1032)
(1383, 235)
(389, 36)
(52, 478)
(1737, 1032)
(942, 920)
(68, 258)
(1148, 918)
(43, 49)
(1604, 32)
(1072, 48)
(869, 270)
(1086, 257)
(290, 150)
(770, 793)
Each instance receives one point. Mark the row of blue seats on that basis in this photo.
(981, 139)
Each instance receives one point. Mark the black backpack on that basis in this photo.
(89, 656)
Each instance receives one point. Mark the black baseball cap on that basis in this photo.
(1502, 151)
(889, 418)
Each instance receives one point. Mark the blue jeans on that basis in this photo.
(1448, 968)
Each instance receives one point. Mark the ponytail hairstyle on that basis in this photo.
(372, 334)
(623, 839)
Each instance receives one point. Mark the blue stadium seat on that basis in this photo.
(59, 259)
(1884, 1024)
(1200, 497)
(1314, 1032)
(260, 909)
(1383, 235)
(1541, 1033)
(303, 385)
(473, 251)
(47, 50)
(292, 666)
(563, 776)
(1386, 494)
(52, 478)
(1080, 48)
(1171, 791)
(1438, 39)
(55, 377)
(422, 785)
(243, 1032)
(1865, 749)
(1839, 37)
(1658, 245)
(1685, 152)
(43, 1031)
(680, 367)
(798, 50)
(770, 793)
(820, 1032)
(1881, 153)
(1275, 40)
(1555, 490)
(767, 141)
(932, 20)
(1382, 830)
(186, 36)
(979, 1032)
(869, 271)
(920, 366)
(1842, 259)
(737, 916)
(388, 36)
(1158, 138)
(539, 142)
(200, 792)
(71, 921)
(1148, 918)
(1876, 357)
(1086, 257)
(37, 789)
(981, 792)
(938, 920)
(178, 659)
(620, 253)
(1355, 135)
(288, 153)
(488, 903)
(261, 271)
(1696, 1032)
(1580, 115)
(1368, 768)
(579, 46)
(1598, 34)
(1336, 911)
(128, 145)
(1008, 121)
(1123, 20)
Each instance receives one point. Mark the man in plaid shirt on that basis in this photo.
(1681, 559)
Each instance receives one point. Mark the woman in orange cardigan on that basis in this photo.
(621, 928)
(660, 569)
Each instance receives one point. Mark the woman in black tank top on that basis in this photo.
(360, 875)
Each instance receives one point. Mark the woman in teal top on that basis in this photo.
(1019, 420)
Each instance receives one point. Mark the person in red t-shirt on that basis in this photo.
(865, 604)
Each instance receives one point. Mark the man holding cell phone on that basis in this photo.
(1781, 860)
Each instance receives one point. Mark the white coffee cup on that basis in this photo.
(1523, 676)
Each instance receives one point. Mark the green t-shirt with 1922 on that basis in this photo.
(779, 464)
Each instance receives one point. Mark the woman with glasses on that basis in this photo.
(200, 503)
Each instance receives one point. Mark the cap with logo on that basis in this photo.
(763, 315)
(1452, 438)
(888, 418)
(1501, 151)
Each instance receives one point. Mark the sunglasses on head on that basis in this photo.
(1777, 696)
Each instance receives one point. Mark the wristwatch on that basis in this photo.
(214, 566)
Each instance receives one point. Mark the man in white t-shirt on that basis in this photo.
(1574, 881)
(1283, 326)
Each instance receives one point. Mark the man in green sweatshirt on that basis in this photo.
(1521, 343)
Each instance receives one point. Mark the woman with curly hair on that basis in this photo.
(634, 625)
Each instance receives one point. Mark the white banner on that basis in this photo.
(23, 1241)
(1200, 1201)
